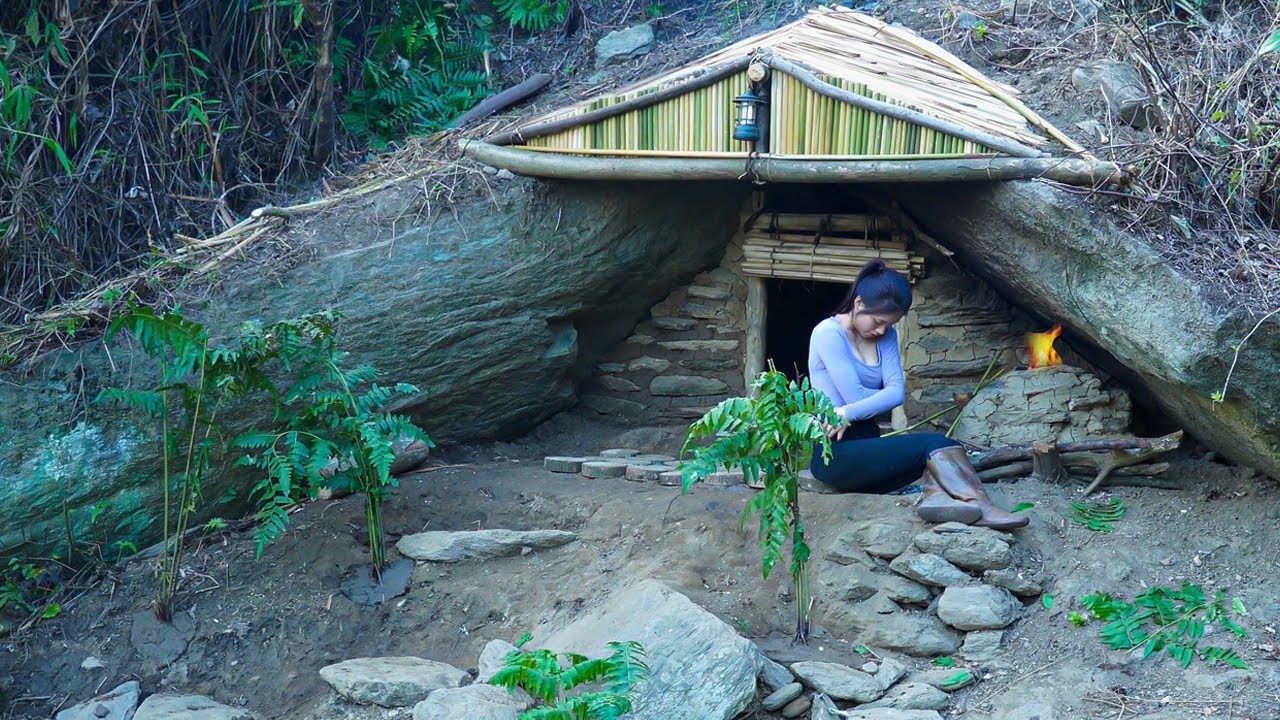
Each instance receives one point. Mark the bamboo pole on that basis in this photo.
(1070, 171)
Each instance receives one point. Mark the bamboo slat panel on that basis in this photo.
(827, 248)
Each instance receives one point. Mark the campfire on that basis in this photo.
(1040, 352)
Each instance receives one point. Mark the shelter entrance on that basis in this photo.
(795, 306)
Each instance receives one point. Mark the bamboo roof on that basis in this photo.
(838, 43)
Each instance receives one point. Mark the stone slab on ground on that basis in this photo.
(619, 453)
(159, 643)
(170, 706)
(912, 696)
(391, 681)
(566, 463)
(448, 547)
(118, 704)
(670, 478)
(838, 681)
(965, 546)
(645, 473)
(929, 569)
(473, 702)
(604, 468)
(981, 607)
(774, 674)
(700, 667)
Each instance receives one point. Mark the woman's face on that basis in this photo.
(872, 325)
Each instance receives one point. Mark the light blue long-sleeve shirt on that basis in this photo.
(858, 390)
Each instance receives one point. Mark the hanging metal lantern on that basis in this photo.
(746, 121)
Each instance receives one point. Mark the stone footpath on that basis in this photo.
(651, 467)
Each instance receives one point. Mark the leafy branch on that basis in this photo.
(549, 677)
(1097, 516)
(1164, 619)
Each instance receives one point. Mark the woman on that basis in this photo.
(853, 359)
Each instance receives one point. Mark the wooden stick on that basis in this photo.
(711, 76)
(1002, 456)
(503, 100)
(1069, 171)
(811, 81)
(1046, 463)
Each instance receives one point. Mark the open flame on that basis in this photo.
(1040, 352)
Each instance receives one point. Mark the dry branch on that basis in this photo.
(1005, 455)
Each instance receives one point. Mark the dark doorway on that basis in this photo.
(794, 307)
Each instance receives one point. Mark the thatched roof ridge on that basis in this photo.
(840, 43)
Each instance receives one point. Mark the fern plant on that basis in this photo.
(1160, 618)
(533, 15)
(333, 418)
(1097, 516)
(196, 379)
(549, 677)
(770, 436)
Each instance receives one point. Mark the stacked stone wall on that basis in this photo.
(685, 357)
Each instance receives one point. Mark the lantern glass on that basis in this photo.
(746, 125)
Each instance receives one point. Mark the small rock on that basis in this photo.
(912, 696)
(1020, 583)
(505, 174)
(975, 548)
(782, 696)
(796, 708)
(890, 672)
(869, 668)
(929, 569)
(391, 681)
(823, 708)
(1121, 87)
(564, 464)
(119, 705)
(92, 663)
(622, 45)
(168, 706)
(473, 702)
(838, 681)
(773, 674)
(442, 546)
(604, 469)
(982, 645)
(619, 453)
(981, 607)
(879, 622)
(492, 658)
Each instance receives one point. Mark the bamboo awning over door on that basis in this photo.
(827, 248)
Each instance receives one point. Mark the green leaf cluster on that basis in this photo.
(770, 436)
(1097, 516)
(536, 15)
(548, 678)
(1161, 618)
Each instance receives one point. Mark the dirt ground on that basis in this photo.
(264, 627)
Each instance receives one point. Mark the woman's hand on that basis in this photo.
(835, 432)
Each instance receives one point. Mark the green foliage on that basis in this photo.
(769, 436)
(549, 677)
(1160, 618)
(333, 423)
(1097, 516)
(536, 15)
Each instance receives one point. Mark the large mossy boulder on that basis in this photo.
(1121, 302)
(494, 307)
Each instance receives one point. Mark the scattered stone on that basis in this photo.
(838, 681)
(890, 672)
(700, 346)
(982, 645)
(882, 539)
(617, 384)
(686, 385)
(946, 679)
(564, 464)
(782, 696)
(647, 363)
(619, 453)
(709, 364)
(667, 322)
(447, 547)
(364, 588)
(879, 622)
(92, 663)
(981, 607)
(975, 548)
(796, 708)
(160, 643)
(671, 478)
(118, 704)
(604, 468)
(857, 582)
(912, 696)
(929, 569)
(700, 667)
(645, 473)
(169, 706)
(869, 668)
(492, 658)
(1121, 87)
(610, 367)
(823, 708)
(774, 674)
(410, 452)
(391, 681)
(621, 45)
(473, 702)
(1020, 583)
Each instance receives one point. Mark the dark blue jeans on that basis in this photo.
(864, 462)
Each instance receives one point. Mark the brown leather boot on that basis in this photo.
(950, 467)
(936, 506)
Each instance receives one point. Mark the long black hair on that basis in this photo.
(882, 289)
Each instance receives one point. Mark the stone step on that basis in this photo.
(604, 469)
(566, 463)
